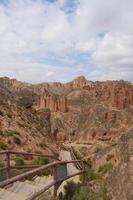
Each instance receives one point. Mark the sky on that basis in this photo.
(58, 40)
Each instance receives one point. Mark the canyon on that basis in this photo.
(95, 117)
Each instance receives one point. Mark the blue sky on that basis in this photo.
(58, 40)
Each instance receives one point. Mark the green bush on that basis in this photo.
(69, 190)
(75, 191)
(104, 193)
(1, 164)
(1, 132)
(109, 157)
(9, 115)
(98, 149)
(19, 161)
(89, 176)
(105, 168)
(16, 140)
(1, 113)
(9, 132)
(82, 194)
(46, 172)
(40, 161)
(3, 146)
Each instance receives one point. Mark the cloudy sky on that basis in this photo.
(58, 40)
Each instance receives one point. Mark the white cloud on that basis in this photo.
(50, 73)
(31, 31)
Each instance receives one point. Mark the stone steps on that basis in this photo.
(24, 190)
(8, 195)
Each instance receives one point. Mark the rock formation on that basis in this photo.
(79, 82)
(117, 94)
(53, 102)
(120, 182)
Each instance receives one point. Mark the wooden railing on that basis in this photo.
(8, 166)
(34, 172)
(57, 180)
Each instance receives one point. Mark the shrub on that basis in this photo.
(40, 161)
(17, 140)
(46, 172)
(75, 191)
(1, 164)
(105, 168)
(104, 193)
(26, 102)
(98, 149)
(1, 132)
(89, 176)
(69, 190)
(3, 146)
(84, 193)
(9, 115)
(109, 157)
(1, 113)
(19, 161)
(11, 133)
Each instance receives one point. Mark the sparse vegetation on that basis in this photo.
(9, 115)
(1, 113)
(1, 164)
(16, 140)
(9, 133)
(105, 168)
(19, 161)
(69, 190)
(78, 191)
(109, 157)
(3, 146)
(84, 193)
(40, 161)
(89, 176)
(46, 172)
(98, 149)
(1, 132)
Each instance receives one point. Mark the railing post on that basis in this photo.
(55, 180)
(8, 164)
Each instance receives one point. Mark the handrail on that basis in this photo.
(28, 154)
(34, 196)
(54, 165)
(34, 172)
(8, 167)
(78, 165)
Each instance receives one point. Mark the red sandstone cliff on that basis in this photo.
(79, 82)
(53, 102)
(117, 94)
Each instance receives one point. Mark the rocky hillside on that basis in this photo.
(21, 126)
(81, 110)
(120, 180)
(95, 116)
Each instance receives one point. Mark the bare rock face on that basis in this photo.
(13, 84)
(120, 181)
(117, 94)
(79, 82)
(53, 102)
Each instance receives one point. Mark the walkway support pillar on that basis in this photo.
(55, 180)
(8, 164)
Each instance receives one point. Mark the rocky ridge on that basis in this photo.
(80, 110)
